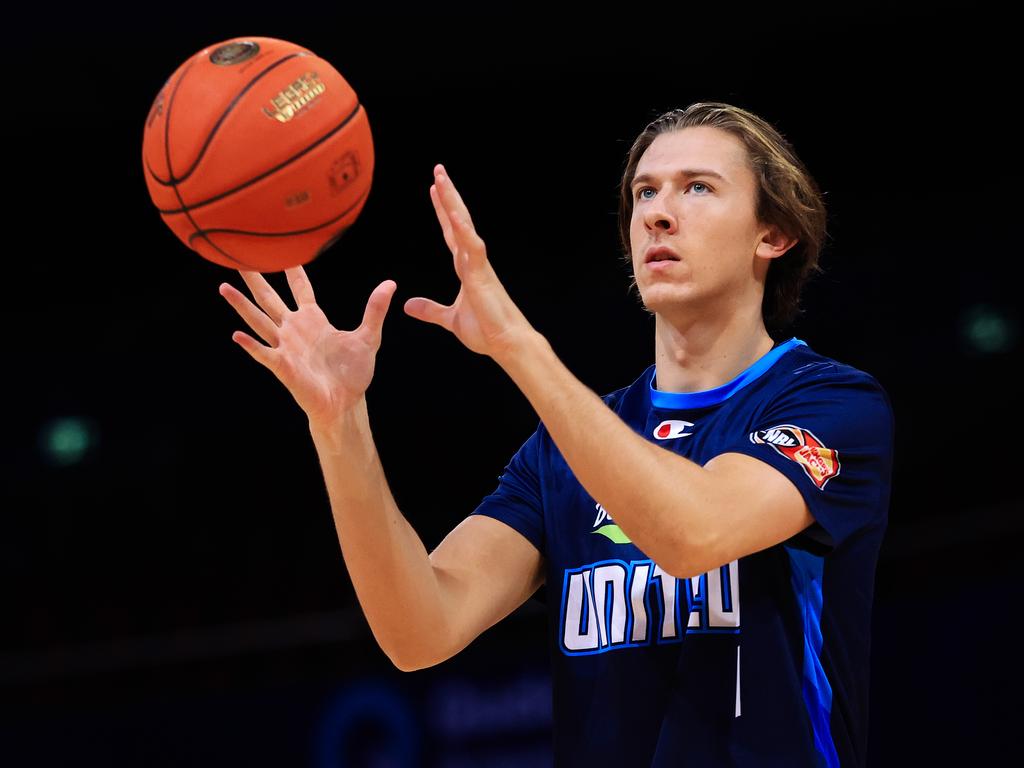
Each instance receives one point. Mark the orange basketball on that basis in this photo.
(257, 154)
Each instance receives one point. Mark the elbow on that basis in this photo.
(671, 554)
(411, 654)
(684, 571)
(690, 557)
(404, 665)
(673, 559)
(681, 568)
(685, 568)
(683, 538)
(402, 662)
(699, 543)
(412, 663)
(413, 645)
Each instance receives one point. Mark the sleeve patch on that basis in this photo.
(820, 464)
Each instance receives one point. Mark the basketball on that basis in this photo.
(257, 154)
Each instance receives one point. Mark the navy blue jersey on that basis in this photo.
(762, 661)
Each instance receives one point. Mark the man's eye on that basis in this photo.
(701, 184)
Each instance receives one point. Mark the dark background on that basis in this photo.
(173, 581)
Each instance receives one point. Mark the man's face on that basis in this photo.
(707, 220)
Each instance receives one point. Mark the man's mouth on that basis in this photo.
(660, 253)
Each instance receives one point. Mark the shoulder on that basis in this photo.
(806, 373)
(807, 364)
(812, 396)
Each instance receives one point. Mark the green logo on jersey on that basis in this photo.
(614, 533)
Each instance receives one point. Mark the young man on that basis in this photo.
(708, 534)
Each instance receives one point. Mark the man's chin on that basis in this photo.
(666, 299)
(678, 309)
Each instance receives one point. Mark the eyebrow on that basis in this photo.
(683, 172)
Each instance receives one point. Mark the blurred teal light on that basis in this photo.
(66, 441)
(987, 330)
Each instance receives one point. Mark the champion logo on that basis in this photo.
(671, 429)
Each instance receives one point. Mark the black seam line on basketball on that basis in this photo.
(177, 193)
(226, 255)
(204, 232)
(220, 120)
(263, 175)
(167, 130)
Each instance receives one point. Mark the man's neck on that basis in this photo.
(703, 354)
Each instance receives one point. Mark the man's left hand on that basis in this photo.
(483, 316)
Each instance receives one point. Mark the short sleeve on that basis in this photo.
(517, 501)
(831, 434)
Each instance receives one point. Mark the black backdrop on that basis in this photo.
(176, 594)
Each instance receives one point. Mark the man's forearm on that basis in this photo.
(658, 498)
(389, 566)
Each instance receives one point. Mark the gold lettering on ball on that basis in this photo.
(295, 97)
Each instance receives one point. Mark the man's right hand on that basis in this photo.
(326, 370)
(422, 608)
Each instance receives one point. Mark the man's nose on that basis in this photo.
(657, 216)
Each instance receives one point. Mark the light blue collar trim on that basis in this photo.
(684, 400)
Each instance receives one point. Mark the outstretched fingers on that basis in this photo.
(265, 295)
(262, 354)
(450, 196)
(256, 319)
(461, 223)
(302, 289)
(442, 217)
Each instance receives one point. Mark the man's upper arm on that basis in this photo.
(759, 508)
(485, 570)
(820, 455)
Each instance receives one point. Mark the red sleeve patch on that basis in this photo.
(820, 464)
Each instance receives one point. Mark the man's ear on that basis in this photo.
(774, 242)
